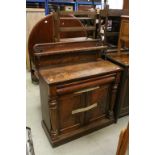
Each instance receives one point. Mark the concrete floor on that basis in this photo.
(101, 142)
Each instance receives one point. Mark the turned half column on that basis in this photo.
(53, 117)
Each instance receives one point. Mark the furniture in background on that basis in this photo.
(121, 58)
(32, 17)
(44, 32)
(86, 18)
(122, 106)
(125, 4)
(123, 143)
(109, 26)
(78, 89)
(124, 33)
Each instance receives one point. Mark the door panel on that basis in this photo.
(67, 103)
(101, 97)
(85, 105)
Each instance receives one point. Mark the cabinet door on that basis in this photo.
(67, 104)
(101, 97)
(86, 102)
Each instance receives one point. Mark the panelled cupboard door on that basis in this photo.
(67, 103)
(81, 106)
(101, 98)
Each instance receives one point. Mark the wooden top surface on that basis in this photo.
(122, 58)
(77, 71)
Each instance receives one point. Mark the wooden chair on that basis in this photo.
(106, 14)
(124, 33)
(70, 27)
(123, 143)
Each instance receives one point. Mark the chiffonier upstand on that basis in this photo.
(78, 89)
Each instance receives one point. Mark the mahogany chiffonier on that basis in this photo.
(77, 88)
(122, 106)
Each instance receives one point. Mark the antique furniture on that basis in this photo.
(122, 59)
(123, 143)
(32, 17)
(82, 16)
(77, 88)
(109, 25)
(43, 32)
(124, 33)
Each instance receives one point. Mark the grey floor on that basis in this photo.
(101, 142)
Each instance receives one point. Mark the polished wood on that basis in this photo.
(124, 33)
(32, 17)
(70, 27)
(125, 4)
(79, 92)
(44, 32)
(122, 106)
(123, 143)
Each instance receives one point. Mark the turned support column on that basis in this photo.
(54, 117)
(113, 96)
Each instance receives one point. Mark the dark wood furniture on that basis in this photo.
(124, 33)
(44, 32)
(122, 106)
(109, 25)
(122, 58)
(71, 27)
(78, 89)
